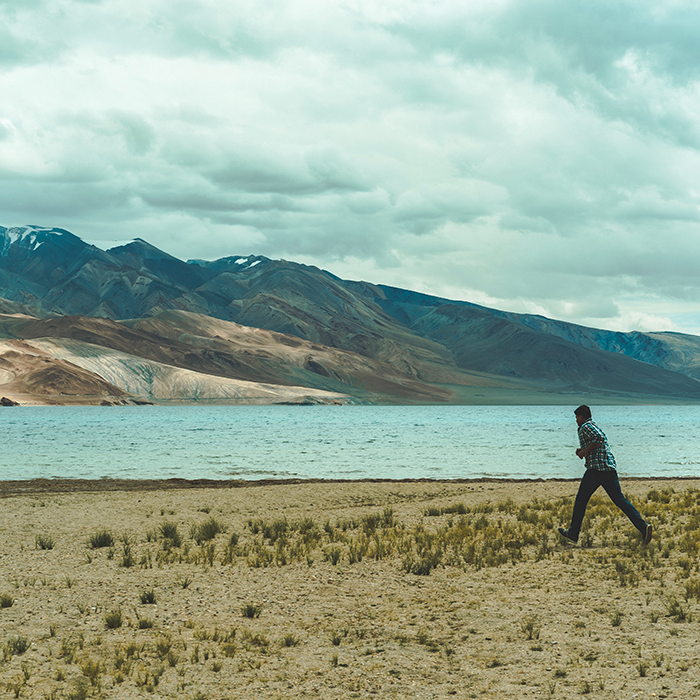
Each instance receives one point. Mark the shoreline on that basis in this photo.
(11, 487)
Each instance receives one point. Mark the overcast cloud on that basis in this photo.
(532, 155)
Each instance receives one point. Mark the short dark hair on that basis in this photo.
(583, 411)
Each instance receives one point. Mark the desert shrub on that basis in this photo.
(530, 627)
(249, 610)
(81, 690)
(43, 542)
(169, 534)
(256, 639)
(148, 596)
(692, 589)
(677, 611)
(458, 508)
(127, 560)
(333, 555)
(101, 538)
(164, 645)
(289, 640)
(274, 530)
(92, 670)
(15, 646)
(114, 619)
(208, 530)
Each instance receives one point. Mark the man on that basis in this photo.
(600, 471)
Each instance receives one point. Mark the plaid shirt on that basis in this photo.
(601, 458)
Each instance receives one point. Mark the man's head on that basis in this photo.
(583, 413)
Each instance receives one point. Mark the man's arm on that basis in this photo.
(583, 452)
(595, 441)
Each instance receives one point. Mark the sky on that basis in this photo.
(536, 156)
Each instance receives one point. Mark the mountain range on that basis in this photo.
(134, 324)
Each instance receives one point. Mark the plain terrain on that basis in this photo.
(345, 590)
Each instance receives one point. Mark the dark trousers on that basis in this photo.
(592, 479)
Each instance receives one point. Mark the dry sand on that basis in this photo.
(357, 630)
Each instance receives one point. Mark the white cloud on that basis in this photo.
(528, 155)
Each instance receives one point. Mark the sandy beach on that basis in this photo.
(345, 590)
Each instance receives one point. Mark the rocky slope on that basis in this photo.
(260, 320)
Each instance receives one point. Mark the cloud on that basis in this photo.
(530, 154)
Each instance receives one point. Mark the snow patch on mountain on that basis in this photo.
(29, 237)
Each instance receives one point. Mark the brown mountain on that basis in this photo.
(218, 349)
(259, 320)
(42, 378)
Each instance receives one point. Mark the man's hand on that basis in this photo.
(579, 453)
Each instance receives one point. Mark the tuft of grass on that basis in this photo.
(163, 645)
(15, 646)
(43, 542)
(16, 685)
(206, 531)
(208, 551)
(169, 534)
(101, 538)
(257, 639)
(145, 623)
(92, 670)
(114, 619)
(677, 611)
(6, 600)
(289, 640)
(530, 627)
(616, 618)
(249, 610)
(148, 597)
(333, 555)
(81, 690)
(128, 559)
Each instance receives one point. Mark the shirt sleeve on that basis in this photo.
(590, 434)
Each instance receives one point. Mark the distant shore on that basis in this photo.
(15, 487)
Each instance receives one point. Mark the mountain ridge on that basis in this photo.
(367, 341)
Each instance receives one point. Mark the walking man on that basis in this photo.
(600, 471)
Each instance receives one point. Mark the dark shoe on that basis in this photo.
(648, 533)
(565, 533)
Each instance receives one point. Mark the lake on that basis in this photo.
(337, 442)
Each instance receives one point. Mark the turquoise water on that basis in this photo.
(337, 442)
